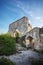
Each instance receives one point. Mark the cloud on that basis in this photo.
(24, 8)
(29, 21)
(36, 20)
(38, 17)
(31, 14)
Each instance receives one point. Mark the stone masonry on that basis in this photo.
(37, 35)
(22, 26)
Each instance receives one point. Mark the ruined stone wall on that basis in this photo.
(34, 33)
(21, 25)
(37, 35)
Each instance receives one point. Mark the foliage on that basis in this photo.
(7, 44)
(8, 34)
(5, 61)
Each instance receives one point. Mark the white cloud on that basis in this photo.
(31, 14)
(29, 21)
(24, 8)
(38, 17)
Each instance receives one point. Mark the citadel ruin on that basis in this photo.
(33, 37)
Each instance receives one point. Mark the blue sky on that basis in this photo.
(12, 10)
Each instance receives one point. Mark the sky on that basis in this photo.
(12, 10)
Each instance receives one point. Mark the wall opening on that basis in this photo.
(30, 42)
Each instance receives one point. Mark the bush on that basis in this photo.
(5, 61)
(7, 45)
(37, 62)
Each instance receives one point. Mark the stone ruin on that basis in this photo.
(33, 37)
(22, 26)
(36, 36)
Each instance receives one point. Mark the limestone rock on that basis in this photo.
(22, 26)
(37, 35)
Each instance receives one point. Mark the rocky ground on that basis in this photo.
(25, 57)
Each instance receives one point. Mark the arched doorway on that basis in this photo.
(16, 33)
(30, 42)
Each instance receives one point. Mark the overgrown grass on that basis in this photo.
(7, 44)
(5, 61)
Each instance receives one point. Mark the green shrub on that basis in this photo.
(8, 34)
(7, 45)
(37, 62)
(5, 61)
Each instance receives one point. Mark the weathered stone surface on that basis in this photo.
(37, 35)
(20, 48)
(25, 57)
(22, 26)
